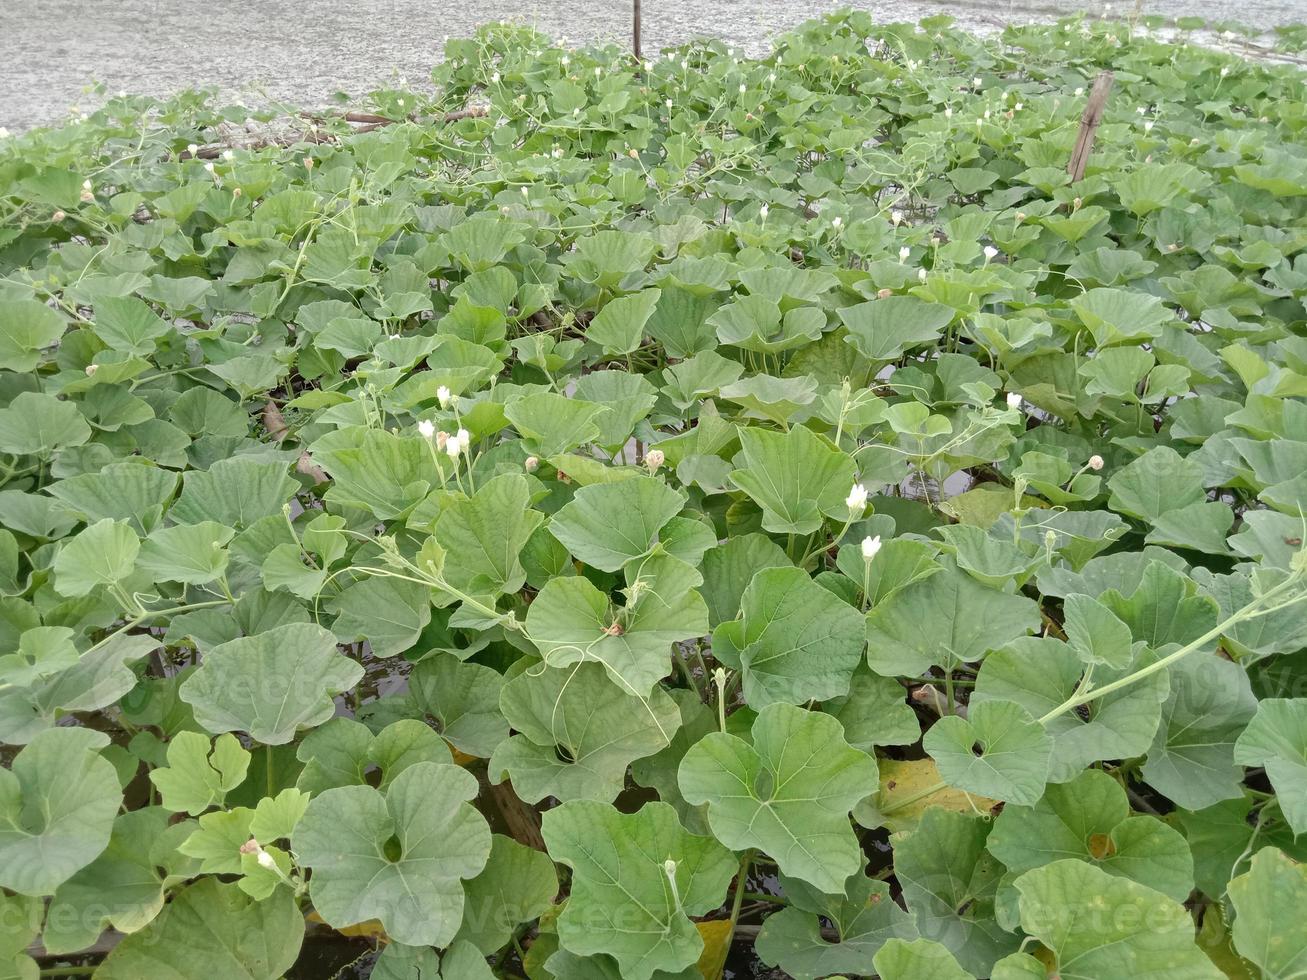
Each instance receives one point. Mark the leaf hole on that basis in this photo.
(977, 749)
(564, 754)
(392, 849)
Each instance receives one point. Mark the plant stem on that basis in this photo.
(270, 781)
(740, 881)
(1247, 612)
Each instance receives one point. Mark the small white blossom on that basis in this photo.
(209, 166)
(1095, 463)
(453, 447)
(948, 112)
(990, 253)
(870, 546)
(565, 61)
(976, 82)
(771, 77)
(4, 133)
(1225, 72)
(1013, 400)
(1080, 90)
(463, 436)
(1148, 126)
(653, 459)
(741, 88)
(904, 252)
(531, 464)
(192, 149)
(443, 396)
(426, 428)
(228, 155)
(921, 275)
(667, 103)
(835, 222)
(896, 218)
(857, 498)
(763, 212)
(494, 80)
(266, 860)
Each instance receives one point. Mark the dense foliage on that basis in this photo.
(769, 494)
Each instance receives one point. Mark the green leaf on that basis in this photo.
(1159, 481)
(921, 959)
(788, 793)
(884, 329)
(344, 752)
(27, 326)
(399, 857)
(949, 882)
(551, 424)
(1193, 759)
(1268, 931)
(235, 492)
(577, 733)
(516, 885)
(192, 554)
(865, 918)
(1098, 925)
(944, 620)
(125, 886)
(127, 491)
(483, 536)
(1095, 634)
(620, 325)
(463, 700)
(103, 554)
(212, 930)
(794, 641)
(875, 712)
(1089, 819)
(271, 684)
(127, 324)
(729, 568)
(1118, 316)
(389, 613)
(626, 901)
(571, 621)
(998, 751)
(57, 808)
(609, 524)
(198, 776)
(796, 477)
(1276, 739)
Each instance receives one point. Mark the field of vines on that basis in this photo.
(595, 518)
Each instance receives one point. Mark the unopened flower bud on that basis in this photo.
(531, 464)
(426, 428)
(654, 459)
(1095, 463)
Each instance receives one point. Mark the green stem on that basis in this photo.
(740, 880)
(1249, 611)
(270, 777)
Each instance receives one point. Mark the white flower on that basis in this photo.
(525, 192)
(1095, 462)
(653, 459)
(192, 149)
(990, 253)
(598, 71)
(494, 80)
(1018, 107)
(948, 112)
(531, 464)
(648, 66)
(741, 88)
(667, 103)
(86, 185)
(976, 82)
(426, 428)
(209, 166)
(1225, 72)
(1080, 90)
(1148, 126)
(4, 133)
(228, 155)
(857, 498)
(904, 252)
(1140, 110)
(266, 860)
(399, 102)
(921, 275)
(58, 216)
(763, 212)
(986, 113)
(443, 396)
(771, 77)
(835, 222)
(453, 447)
(463, 436)
(896, 218)
(1013, 400)
(565, 61)
(557, 153)
(869, 547)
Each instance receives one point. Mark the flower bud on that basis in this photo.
(653, 459)
(884, 293)
(426, 428)
(1013, 400)
(443, 396)
(531, 464)
(1095, 463)
(870, 546)
(857, 498)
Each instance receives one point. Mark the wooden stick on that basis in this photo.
(1093, 115)
(635, 27)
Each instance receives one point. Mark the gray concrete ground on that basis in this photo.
(302, 52)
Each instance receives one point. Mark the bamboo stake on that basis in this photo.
(1093, 115)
